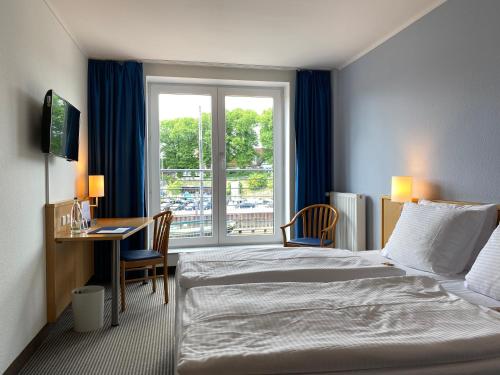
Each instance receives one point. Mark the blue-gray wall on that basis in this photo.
(425, 103)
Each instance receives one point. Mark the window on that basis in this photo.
(215, 159)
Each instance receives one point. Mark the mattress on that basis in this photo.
(398, 325)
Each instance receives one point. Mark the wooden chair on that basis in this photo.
(318, 226)
(146, 259)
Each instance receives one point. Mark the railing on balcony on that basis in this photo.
(249, 201)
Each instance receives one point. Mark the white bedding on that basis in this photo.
(384, 325)
(251, 265)
(452, 283)
(258, 265)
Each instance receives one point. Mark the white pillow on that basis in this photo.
(484, 276)
(434, 239)
(489, 224)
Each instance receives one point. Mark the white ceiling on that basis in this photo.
(282, 33)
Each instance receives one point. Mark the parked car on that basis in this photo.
(177, 207)
(247, 205)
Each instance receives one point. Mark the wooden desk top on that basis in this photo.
(137, 222)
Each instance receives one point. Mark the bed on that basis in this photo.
(390, 325)
(371, 260)
(200, 302)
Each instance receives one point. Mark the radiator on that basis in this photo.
(350, 232)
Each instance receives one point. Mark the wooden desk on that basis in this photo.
(137, 222)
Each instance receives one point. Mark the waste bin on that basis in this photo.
(88, 307)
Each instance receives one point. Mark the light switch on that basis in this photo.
(63, 220)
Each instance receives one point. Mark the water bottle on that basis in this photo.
(77, 224)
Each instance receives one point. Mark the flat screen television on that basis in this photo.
(60, 127)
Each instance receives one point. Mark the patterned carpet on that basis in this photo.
(142, 344)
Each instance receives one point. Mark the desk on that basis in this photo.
(137, 222)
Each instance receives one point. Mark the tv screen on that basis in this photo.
(61, 127)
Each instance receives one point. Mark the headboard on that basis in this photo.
(392, 210)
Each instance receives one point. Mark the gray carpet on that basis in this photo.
(142, 344)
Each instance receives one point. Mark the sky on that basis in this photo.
(176, 105)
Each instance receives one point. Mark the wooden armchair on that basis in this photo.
(318, 226)
(146, 259)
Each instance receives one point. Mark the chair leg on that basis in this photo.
(122, 284)
(154, 278)
(165, 283)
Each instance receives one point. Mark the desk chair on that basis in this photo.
(318, 227)
(146, 259)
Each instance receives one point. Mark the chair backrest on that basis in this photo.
(162, 231)
(317, 217)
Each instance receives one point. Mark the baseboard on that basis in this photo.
(26, 354)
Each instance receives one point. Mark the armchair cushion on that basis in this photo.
(133, 255)
(309, 241)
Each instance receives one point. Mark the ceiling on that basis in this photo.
(280, 33)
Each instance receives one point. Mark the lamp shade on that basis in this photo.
(96, 186)
(401, 188)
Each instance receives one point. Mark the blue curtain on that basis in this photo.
(313, 138)
(116, 123)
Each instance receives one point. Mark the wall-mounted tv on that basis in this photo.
(60, 128)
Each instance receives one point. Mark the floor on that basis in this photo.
(142, 344)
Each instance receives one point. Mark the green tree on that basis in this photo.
(257, 181)
(174, 188)
(179, 142)
(266, 135)
(241, 137)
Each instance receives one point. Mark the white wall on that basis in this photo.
(36, 54)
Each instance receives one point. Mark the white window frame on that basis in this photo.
(218, 93)
(278, 163)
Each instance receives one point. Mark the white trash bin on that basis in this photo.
(88, 307)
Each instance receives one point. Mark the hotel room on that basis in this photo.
(250, 187)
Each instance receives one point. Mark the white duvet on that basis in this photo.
(251, 265)
(287, 328)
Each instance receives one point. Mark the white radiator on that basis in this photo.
(350, 232)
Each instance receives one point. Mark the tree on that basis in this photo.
(241, 137)
(257, 181)
(179, 142)
(266, 135)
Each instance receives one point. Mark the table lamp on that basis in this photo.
(96, 189)
(401, 189)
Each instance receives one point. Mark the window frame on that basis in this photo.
(218, 92)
